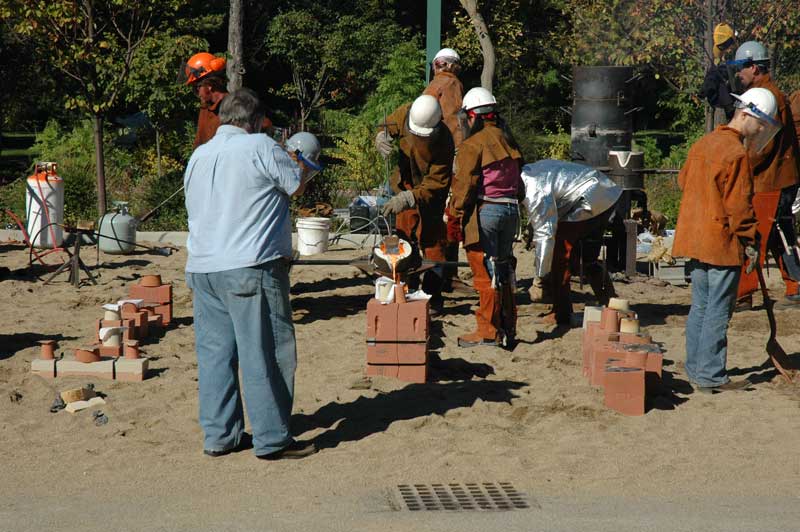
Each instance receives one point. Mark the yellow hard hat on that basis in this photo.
(723, 35)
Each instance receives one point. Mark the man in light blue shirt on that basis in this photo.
(238, 187)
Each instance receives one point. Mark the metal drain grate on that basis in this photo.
(471, 496)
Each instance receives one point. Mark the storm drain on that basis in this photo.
(475, 496)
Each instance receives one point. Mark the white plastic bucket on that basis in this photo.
(312, 235)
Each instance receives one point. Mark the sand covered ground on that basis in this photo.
(526, 417)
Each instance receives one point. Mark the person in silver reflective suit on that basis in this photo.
(568, 202)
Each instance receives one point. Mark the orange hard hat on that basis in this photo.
(202, 65)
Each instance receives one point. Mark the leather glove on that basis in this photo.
(752, 255)
(384, 143)
(399, 202)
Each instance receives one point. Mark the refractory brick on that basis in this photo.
(158, 294)
(127, 369)
(413, 321)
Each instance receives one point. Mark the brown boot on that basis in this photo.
(475, 339)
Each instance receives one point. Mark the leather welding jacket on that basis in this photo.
(561, 191)
(794, 107)
(446, 87)
(425, 165)
(476, 152)
(716, 212)
(775, 167)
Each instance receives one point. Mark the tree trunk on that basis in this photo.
(235, 67)
(487, 48)
(708, 61)
(158, 152)
(100, 165)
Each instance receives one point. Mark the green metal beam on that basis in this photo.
(433, 35)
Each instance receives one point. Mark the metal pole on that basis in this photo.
(433, 35)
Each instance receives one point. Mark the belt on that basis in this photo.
(501, 201)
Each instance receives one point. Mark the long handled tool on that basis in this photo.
(777, 355)
(790, 257)
(365, 264)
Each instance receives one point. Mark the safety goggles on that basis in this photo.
(312, 168)
(770, 126)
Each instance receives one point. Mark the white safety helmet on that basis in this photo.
(448, 54)
(424, 115)
(479, 101)
(752, 51)
(757, 102)
(307, 149)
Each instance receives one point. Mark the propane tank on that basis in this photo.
(44, 206)
(117, 232)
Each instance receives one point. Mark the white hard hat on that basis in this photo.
(758, 102)
(448, 54)
(479, 100)
(307, 148)
(424, 115)
(753, 51)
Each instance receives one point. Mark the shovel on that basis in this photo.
(776, 353)
(789, 258)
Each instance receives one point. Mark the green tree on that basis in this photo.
(92, 43)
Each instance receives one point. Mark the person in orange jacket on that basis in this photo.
(717, 230)
(486, 191)
(205, 73)
(448, 90)
(421, 181)
(775, 176)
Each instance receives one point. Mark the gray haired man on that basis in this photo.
(238, 186)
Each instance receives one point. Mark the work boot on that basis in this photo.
(601, 285)
(475, 339)
(730, 386)
(540, 292)
(294, 451)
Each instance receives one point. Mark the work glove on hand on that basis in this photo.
(399, 202)
(384, 143)
(752, 255)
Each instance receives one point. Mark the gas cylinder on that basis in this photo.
(44, 206)
(117, 233)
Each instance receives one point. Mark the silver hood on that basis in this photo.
(562, 191)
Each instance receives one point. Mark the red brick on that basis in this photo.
(624, 390)
(140, 322)
(655, 363)
(413, 321)
(413, 373)
(382, 353)
(165, 311)
(383, 370)
(635, 338)
(381, 321)
(600, 340)
(416, 353)
(160, 294)
(110, 351)
(602, 353)
(635, 357)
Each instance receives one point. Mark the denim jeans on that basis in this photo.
(713, 299)
(497, 223)
(243, 318)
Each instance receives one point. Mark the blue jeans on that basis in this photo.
(243, 318)
(713, 299)
(497, 224)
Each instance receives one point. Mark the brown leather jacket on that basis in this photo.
(775, 167)
(794, 106)
(208, 122)
(446, 87)
(483, 148)
(425, 164)
(716, 205)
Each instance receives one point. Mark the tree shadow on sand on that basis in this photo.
(365, 416)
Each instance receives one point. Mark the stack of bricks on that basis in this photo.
(116, 357)
(397, 338)
(620, 358)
